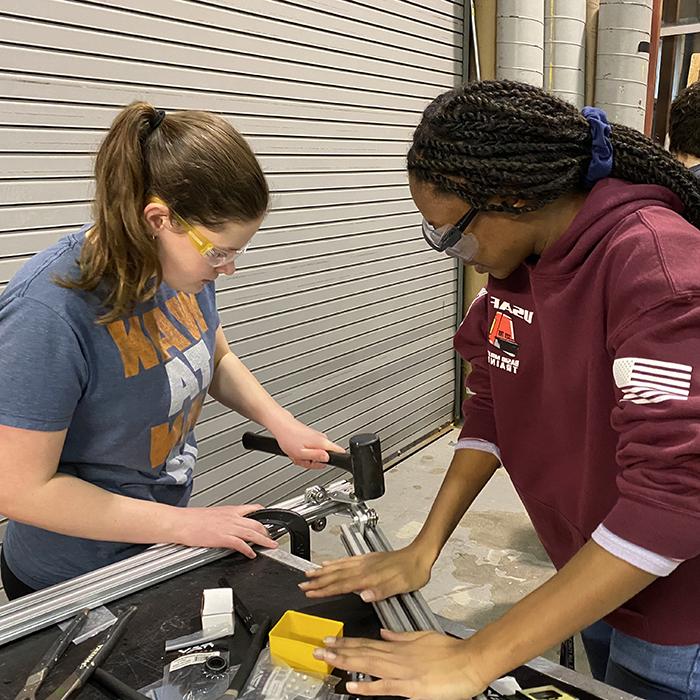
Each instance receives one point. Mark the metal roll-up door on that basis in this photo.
(339, 307)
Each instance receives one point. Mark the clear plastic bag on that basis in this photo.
(153, 690)
(198, 673)
(270, 681)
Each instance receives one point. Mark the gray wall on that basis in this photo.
(339, 308)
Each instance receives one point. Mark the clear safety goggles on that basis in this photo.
(216, 257)
(451, 238)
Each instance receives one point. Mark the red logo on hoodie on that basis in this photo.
(501, 334)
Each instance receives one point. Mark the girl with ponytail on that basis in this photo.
(110, 342)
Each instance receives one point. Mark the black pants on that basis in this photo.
(14, 588)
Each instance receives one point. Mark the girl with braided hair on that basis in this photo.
(584, 350)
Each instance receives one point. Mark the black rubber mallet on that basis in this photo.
(363, 461)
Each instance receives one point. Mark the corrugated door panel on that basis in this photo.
(428, 14)
(51, 165)
(324, 388)
(167, 19)
(339, 307)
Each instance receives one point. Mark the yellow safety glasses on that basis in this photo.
(216, 257)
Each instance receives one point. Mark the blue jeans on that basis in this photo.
(649, 671)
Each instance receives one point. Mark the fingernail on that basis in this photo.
(352, 686)
(330, 640)
(304, 585)
(324, 655)
(367, 596)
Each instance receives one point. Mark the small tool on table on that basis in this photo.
(115, 686)
(49, 659)
(259, 629)
(80, 676)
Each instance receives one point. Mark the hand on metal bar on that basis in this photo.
(377, 576)
(158, 563)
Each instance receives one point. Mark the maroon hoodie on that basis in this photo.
(584, 375)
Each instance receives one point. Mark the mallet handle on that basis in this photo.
(262, 443)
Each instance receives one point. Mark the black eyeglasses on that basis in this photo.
(446, 236)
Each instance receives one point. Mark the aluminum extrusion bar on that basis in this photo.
(384, 610)
(352, 550)
(405, 624)
(397, 615)
(418, 616)
(416, 596)
(76, 584)
(45, 608)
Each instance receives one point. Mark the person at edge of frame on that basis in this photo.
(684, 128)
(585, 386)
(110, 341)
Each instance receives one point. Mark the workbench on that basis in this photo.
(268, 583)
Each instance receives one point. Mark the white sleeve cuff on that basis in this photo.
(481, 445)
(633, 554)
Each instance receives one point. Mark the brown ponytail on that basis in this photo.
(195, 161)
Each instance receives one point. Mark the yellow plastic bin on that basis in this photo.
(296, 635)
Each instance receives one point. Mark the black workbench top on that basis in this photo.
(172, 609)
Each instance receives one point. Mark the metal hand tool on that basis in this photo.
(49, 659)
(257, 644)
(364, 461)
(258, 629)
(115, 686)
(79, 677)
(293, 523)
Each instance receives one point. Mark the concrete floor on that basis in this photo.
(493, 559)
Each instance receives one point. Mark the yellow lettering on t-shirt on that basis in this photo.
(164, 437)
(182, 313)
(163, 333)
(190, 301)
(134, 347)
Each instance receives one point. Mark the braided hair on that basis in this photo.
(504, 140)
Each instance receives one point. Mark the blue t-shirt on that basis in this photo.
(129, 394)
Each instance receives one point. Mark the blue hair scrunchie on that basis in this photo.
(601, 164)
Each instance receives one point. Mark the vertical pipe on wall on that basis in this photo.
(486, 30)
(520, 41)
(468, 58)
(485, 20)
(669, 13)
(592, 9)
(653, 61)
(469, 281)
(475, 61)
(624, 33)
(565, 49)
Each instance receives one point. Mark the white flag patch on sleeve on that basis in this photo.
(651, 381)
